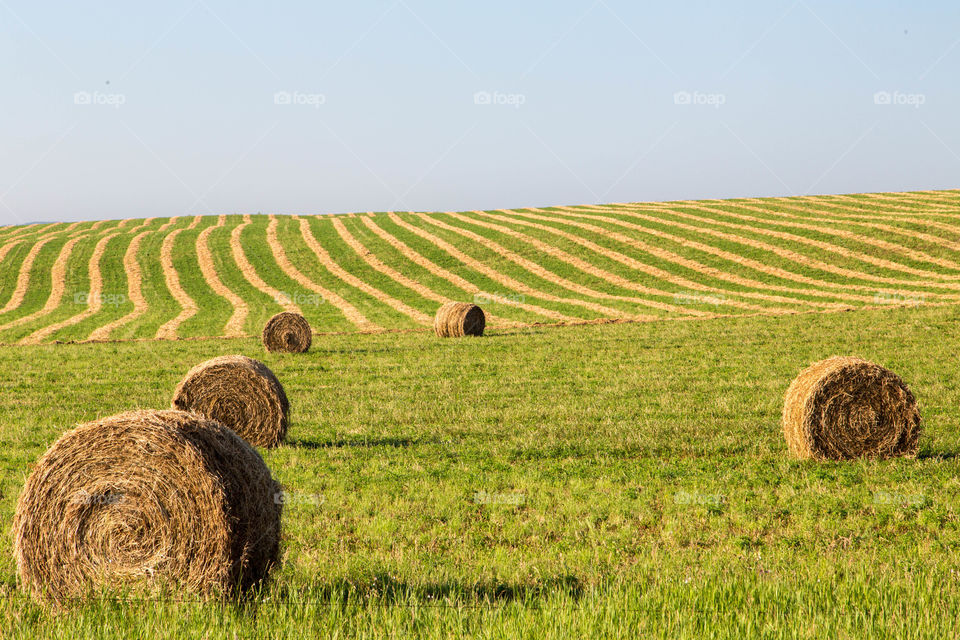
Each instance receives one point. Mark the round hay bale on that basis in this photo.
(843, 408)
(239, 392)
(147, 501)
(458, 319)
(288, 332)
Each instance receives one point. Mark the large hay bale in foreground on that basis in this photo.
(288, 332)
(457, 319)
(240, 393)
(844, 407)
(147, 501)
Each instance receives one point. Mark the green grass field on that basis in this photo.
(620, 480)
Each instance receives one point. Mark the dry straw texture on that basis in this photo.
(147, 501)
(844, 407)
(289, 332)
(457, 319)
(240, 393)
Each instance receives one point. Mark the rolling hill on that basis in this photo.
(208, 276)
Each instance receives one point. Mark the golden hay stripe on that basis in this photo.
(134, 288)
(234, 326)
(94, 301)
(651, 270)
(395, 275)
(865, 221)
(168, 330)
(348, 310)
(331, 265)
(840, 233)
(23, 278)
(240, 258)
(693, 265)
(787, 254)
(578, 263)
(505, 280)
(726, 255)
(451, 277)
(57, 286)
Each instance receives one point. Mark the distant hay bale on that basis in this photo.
(288, 332)
(844, 407)
(457, 319)
(147, 501)
(240, 393)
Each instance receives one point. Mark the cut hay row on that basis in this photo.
(23, 277)
(919, 256)
(134, 290)
(573, 261)
(449, 276)
(865, 221)
(240, 258)
(234, 326)
(58, 275)
(398, 277)
(856, 212)
(323, 256)
(825, 246)
(925, 200)
(882, 211)
(677, 259)
(549, 276)
(504, 280)
(587, 267)
(94, 299)
(822, 286)
(349, 311)
(786, 254)
(188, 308)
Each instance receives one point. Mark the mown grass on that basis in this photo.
(602, 481)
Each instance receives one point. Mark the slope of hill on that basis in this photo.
(226, 275)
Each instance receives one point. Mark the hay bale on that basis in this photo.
(844, 407)
(147, 501)
(457, 319)
(288, 332)
(240, 393)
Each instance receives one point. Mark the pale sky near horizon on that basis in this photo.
(120, 110)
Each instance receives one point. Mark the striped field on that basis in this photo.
(209, 276)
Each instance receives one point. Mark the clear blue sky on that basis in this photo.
(129, 109)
